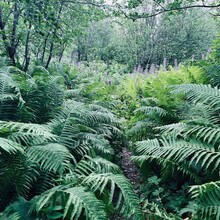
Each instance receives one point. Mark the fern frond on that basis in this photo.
(173, 130)
(75, 201)
(89, 165)
(14, 176)
(26, 133)
(18, 210)
(202, 114)
(10, 98)
(51, 157)
(13, 216)
(142, 146)
(200, 93)
(180, 151)
(209, 134)
(10, 146)
(150, 101)
(84, 128)
(127, 203)
(149, 110)
(208, 200)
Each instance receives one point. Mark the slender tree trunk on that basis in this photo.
(54, 34)
(13, 45)
(50, 55)
(44, 48)
(61, 52)
(3, 34)
(10, 44)
(26, 55)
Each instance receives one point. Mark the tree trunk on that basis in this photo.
(61, 52)
(12, 48)
(50, 55)
(3, 34)
(26, 55)
(44, 48)
(54, 34)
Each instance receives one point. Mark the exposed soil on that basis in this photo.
(130, 170)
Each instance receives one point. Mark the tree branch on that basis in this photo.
(165, 10)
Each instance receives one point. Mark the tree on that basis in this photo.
(40, 29)
(135, 9)
(150, 40)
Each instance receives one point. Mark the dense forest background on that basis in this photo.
(109, 110)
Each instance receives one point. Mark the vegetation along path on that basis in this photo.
(109, 110)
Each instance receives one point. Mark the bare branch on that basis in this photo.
(165, 10)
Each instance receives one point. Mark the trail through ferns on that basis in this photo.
(130, 170)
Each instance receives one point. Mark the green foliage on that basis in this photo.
(59, 130)
(211, 66)
(190, 147)
(54, 165)
(10, 99)
(212, 72)
(18, 210)
(26, 133)
(42, 30)
(216, 49)
(50, 157)
(207, 200)
(76, 201)
(161, 105)
(127, 201)
(141, 42)
(159, 86)
(148, 116)
(44, 95)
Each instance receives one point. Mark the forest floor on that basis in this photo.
(130, 170)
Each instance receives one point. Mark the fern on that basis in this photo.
(75, 201)
(26, 133)
(201, 114)
(180, 151)
(51, 157)
(54, 166)
(18, 210)
(44, 97)
(84, 128)
(10, 98)
(13, 175)
(209, 134)
(200, 93)
(139, 129)
(149, 109)
(207, 199)
(190, 147)
(90, 165)
(10, 147)
(150, 115)
(127, 202)
(173, 130)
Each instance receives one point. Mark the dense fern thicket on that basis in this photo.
(56, 153)
(177, 146)
(174, 116)
(62, 131)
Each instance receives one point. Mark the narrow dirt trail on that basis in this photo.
(130, 170)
